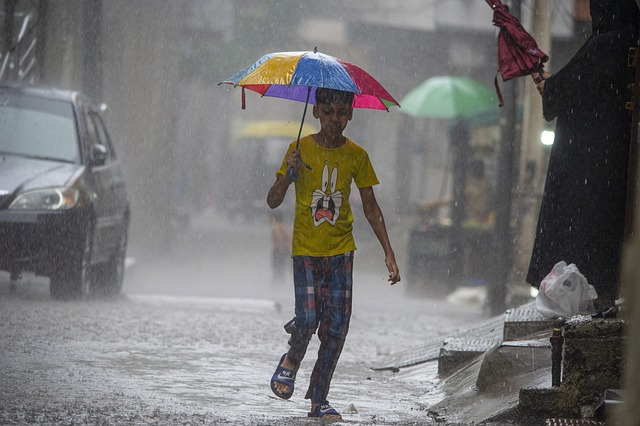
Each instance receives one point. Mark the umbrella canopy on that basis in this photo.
(448, 97)
(296, 75)
(274, 129)
(518, 53)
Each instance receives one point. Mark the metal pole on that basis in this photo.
(9, 63)
(631, 269)
(532, 156)
(92, 53)
(460, 146)
(557, 343)
(503, 235)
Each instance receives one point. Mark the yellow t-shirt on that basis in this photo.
(323, 219)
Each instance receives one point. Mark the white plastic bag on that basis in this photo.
(565, 292)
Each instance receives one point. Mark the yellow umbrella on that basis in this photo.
(274, 128)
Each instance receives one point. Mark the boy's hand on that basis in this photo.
(294, 161)
(394, 271)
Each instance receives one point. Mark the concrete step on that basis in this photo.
(460, 346)
(469, 343)
(429, 351)
(452, 352)
(510, 366)
(457, 351)
(524, 321)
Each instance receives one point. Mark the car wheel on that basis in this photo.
(73, 279)
(110, 276)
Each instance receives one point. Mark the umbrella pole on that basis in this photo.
(294, 176)
(304, 113)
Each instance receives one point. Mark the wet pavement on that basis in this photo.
(196, 336)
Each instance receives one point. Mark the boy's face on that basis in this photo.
(333, 117)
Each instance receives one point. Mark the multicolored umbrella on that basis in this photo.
(518, 53)
(296, 75)
(448, 97)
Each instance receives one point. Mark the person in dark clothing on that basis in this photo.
(583, 206)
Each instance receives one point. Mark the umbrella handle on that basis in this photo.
(294, 176)
(498, 91)
(540, 71)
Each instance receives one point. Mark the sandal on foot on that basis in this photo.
(325, 409)
(285, 376)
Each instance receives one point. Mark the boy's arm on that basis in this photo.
(373, 213)
(278, 190)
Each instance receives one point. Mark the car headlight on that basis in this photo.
(46, 199)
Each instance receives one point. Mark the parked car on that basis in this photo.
(64, 209)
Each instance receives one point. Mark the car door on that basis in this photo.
(110, 201)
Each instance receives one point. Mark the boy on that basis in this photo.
(323, 243)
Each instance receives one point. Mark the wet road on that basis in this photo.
(196, 336)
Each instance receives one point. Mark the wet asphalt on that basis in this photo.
(196, 335)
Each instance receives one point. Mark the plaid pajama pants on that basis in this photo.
(323, 303)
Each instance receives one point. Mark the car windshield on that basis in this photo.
(38, 128)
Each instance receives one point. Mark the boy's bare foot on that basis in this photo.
(324, 411)
(284, 378)
(281, 387)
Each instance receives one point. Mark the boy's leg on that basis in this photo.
(334, 323)
(306, 306)
(306, 318)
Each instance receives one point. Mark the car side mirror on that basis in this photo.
(98, 154)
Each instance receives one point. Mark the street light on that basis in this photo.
(547, 137)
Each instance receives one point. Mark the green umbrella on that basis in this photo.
(448, 97)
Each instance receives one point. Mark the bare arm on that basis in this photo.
(373, 213)
(278, 190)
